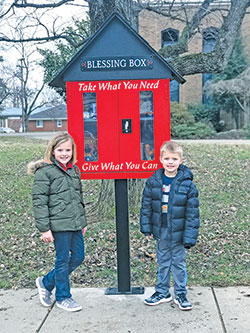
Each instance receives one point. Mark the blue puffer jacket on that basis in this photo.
(183, 208)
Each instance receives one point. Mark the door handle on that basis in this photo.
(126, 126)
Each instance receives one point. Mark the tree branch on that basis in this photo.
(216, 60)
(188, 32)
(239, 103)
(36, 39)
(39, 6)
(31, 109)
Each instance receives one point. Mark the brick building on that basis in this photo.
(49, 120)
(160, 31)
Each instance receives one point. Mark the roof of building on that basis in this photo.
(51, 113)
(11, 112)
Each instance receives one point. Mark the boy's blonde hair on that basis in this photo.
(56, 141)
(171, 147)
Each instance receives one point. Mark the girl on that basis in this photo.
(60, 216)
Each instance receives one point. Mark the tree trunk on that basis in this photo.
(99, 10)
(106, 200)
(104, 208)
(247, 112)
(26, 126)
(135, 188)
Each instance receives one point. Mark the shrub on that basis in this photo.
(195, 131)
(206, 114)
(183, 125)
(180, 115)
(247, 131)
(199, 111)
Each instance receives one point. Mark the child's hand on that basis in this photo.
(148, 237)
(47, 236)
(83, 231)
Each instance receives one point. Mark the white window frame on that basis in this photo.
(39, 123)
(59, 123)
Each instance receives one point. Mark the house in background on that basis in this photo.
(51, 119)
(11, 117)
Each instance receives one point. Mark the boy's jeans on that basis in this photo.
(69, 246)
(170, 259)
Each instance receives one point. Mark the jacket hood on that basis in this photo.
(183, 173)
(34, 166)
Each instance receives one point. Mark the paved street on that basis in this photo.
(48, 135)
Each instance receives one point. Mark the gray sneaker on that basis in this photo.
(68, 304)
(182, 302)
(44, 294)
(158, 298)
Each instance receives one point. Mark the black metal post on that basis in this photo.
(122, 242)
(122, 235)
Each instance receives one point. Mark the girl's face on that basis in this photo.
(63, 153)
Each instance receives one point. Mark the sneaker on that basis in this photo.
(158, 298)
(182, 302)
(68, 304)
(44, 294)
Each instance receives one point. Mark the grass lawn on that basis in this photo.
(220, 258)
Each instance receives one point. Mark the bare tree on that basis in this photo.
(4, 92)
(39, 21)
(20, 89)
(27, 97)
(31, 16)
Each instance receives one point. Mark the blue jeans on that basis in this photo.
(69, 247)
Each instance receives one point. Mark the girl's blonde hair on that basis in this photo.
(171, 147)
(56, 141)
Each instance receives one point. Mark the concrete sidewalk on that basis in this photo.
(215, 310)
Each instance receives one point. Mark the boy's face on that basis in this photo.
(170, 162)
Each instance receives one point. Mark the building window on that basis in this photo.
(59, 123)
(39, 123)
(208, 43)
(169, 37)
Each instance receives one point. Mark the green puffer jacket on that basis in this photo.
(57, 197)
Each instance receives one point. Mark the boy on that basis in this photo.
(170, 212)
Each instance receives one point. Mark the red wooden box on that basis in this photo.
(118, 126)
